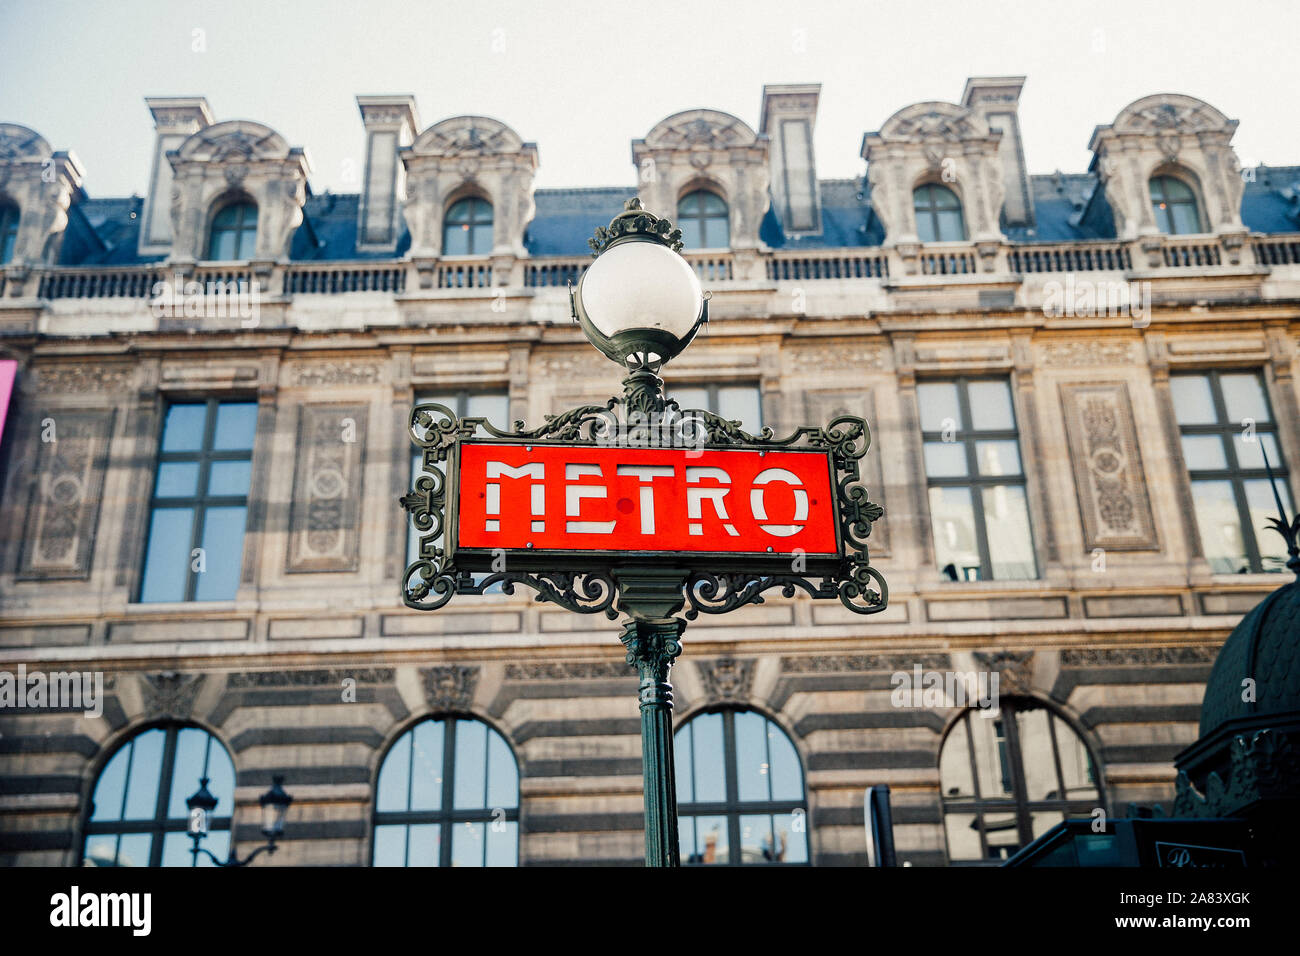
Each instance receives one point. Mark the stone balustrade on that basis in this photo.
(933, 261)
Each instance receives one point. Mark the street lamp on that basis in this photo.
(275, 805)
(640, 304)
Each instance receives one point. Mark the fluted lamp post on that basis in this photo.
(640, 303)
(275, 806)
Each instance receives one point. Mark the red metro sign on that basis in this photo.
(594, 504)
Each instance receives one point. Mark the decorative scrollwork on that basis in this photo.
(591, 593)
(436, 429)
(709, 593)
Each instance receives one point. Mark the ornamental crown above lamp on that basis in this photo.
(640, 303)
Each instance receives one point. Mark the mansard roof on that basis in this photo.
(1067, 206)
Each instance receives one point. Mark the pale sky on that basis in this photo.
(582, 79)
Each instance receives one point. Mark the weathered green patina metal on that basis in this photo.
(652, 588)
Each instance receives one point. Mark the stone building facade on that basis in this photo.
(1074, 340)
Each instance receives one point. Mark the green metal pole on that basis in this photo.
(652, 646)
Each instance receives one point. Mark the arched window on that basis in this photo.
(448, 795)
(8, 231)
(740, 791)
(138, 814)
(234, 233)
(1010, 777)
(1175, 206)
(938, 214)
(467, 230)
(702, 217)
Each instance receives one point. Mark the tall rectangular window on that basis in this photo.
(1227, 426)
(200, 502)
(494, 406)
(976, 482)
(735, 403)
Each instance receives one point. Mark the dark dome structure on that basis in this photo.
(1246, 762)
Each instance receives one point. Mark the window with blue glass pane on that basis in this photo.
(234, 233)
(1174, 204)
(740, 792)
(467, 230)
(137, 815)
(8, 231)
(199, 508)
(703, 219)
(938, 214)
(448, 795)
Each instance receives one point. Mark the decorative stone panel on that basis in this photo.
(1109, 480)
(323, 527)
(1175, 134)
(63, 510)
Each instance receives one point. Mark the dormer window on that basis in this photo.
(1175, 206)
(938, 214)
(467, 230)
(703, 219)
(8, 231)
(234, 233)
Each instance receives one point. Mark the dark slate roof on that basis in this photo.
(104, 232)
(329, 231)
(1067, 206)
(566, 218)
(1272, 202)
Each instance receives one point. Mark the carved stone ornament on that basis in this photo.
(1015, 669)
(727, 679)
(170, 694)
(1263, 766)
(450, 688)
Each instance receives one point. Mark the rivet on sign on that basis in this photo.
(530, 544)
(770, 549)
(528, 448)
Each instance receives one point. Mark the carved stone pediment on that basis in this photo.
(232, 142)
(711, 129)
(467, 136)
(18, 143)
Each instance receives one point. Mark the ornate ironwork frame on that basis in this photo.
(730, 580)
